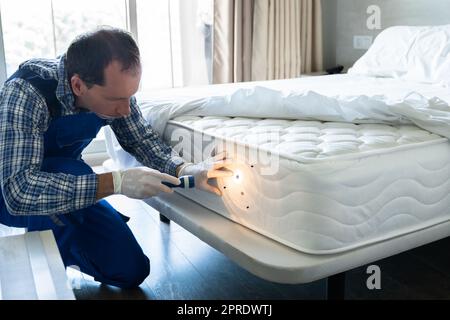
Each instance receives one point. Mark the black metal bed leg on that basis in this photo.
(336, 287)
(163, 218)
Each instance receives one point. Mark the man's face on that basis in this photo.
(112, 100)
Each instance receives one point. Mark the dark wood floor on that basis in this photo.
(184, 267)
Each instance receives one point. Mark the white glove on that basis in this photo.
(141, 182)
(208, 169)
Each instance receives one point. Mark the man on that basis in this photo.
(49, 112)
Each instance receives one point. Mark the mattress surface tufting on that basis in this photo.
(307, 140)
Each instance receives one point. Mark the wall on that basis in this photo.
(329, 16)
(350, 17)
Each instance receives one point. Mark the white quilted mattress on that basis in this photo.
(337, 186)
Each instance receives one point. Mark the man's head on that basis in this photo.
(104, 71)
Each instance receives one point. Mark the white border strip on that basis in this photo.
(45, 288)
(62, 284)
(3, 73)
(302, 160)
(1, 297)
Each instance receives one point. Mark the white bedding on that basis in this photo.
(414, 53)
(298, 99)
(339, 185)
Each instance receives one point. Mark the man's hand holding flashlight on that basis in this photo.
(211, 168)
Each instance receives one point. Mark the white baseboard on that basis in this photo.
(6, 231)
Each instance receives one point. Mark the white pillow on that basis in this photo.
(429, 57)
(387, 57)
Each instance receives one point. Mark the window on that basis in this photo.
(46, 28)
(174, 36)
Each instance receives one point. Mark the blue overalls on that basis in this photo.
(96, 239)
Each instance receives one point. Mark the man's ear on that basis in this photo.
(78, 85)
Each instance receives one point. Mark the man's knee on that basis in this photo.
(127, 271)
(135, 273)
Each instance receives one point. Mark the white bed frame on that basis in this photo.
(276, 262)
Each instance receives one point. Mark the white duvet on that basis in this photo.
(304, 103)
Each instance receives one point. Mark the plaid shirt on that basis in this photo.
(24, 118)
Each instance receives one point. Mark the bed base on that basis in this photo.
(276, 262)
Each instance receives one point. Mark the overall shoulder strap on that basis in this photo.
(47, 87)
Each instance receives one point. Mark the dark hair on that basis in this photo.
(90, 53)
